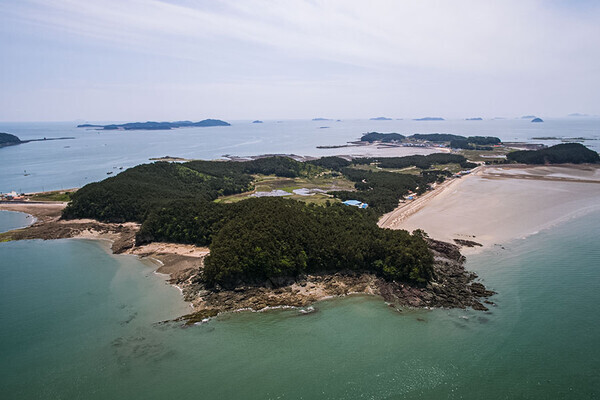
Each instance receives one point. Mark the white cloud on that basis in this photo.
(374, 44)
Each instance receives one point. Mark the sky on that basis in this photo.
(137, 60)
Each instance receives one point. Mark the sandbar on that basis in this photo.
(496, 204)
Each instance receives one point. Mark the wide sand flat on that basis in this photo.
(498, 204)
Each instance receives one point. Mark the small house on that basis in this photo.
(355, 203)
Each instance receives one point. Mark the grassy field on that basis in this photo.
(59, 195)
(268, 183)
(454, 168)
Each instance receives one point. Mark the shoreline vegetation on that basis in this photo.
(273, 252)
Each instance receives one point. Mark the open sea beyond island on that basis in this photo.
(53, 165)
(80, 323)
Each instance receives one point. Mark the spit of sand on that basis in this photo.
(497, 204)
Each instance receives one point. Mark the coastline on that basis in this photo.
(497, 204)
(469, 211)
(453, 285)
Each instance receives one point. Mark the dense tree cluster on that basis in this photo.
(456, 141)
(132, 194)
(8, 139)
(381, 190)
(382, 137)
(475, 143)
(259, 239)
(333, 163)
(267, 238)
(419, 161)
(436, 137)
(574, 153)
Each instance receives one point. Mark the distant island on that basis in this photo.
(381, 119)
(577, 115)
(155, 126)
(429, 119)
(382, 137)
(474, 119)
(571, 153)
(537, 120)
(570, 139)
(321, 119)
(453, 141)
(528, 116)
(6, 139)
(258, 121)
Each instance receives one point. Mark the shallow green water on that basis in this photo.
(10, 220)
(80, 323)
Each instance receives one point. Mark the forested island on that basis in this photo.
(268, 238)
(573, 153)
(454, 141)
(382, 137)
(153, 126)
(6, 139)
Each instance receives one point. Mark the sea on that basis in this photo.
(95, 155)
(77, 322)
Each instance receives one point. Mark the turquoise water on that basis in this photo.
(10, 220)
(66, 164)
(78, 323)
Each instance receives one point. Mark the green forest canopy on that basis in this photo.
(574, 153)
(258, 239)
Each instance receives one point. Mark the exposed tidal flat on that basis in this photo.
(79, 322)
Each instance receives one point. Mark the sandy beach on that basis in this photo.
(497, 204)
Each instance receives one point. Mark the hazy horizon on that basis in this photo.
(169, 60)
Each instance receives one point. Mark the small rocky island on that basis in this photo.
(537, 120)
(156, 126)
(6, 139)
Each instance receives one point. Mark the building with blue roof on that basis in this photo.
(356, 203)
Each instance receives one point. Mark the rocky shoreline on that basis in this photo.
(452, 286)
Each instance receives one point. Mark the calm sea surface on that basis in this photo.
(79, 323)
(65, 164)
